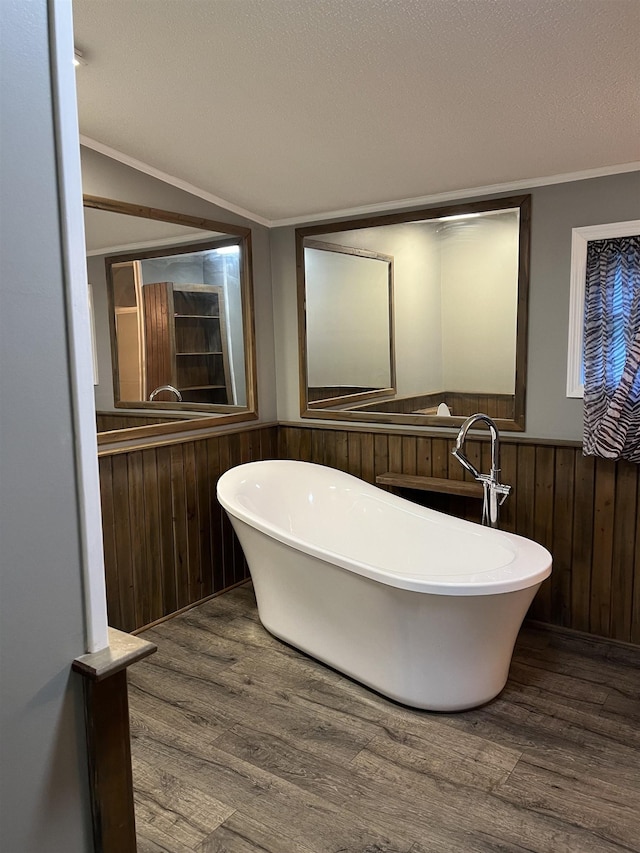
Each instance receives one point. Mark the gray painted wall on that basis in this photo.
(44, 779)
(556, 209)
(105, 177)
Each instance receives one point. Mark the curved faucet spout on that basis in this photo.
(170, 388)
(495, 441)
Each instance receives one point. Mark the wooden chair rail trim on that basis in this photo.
(174, 439)
(403, 430)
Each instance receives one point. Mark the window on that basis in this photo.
(581, 237)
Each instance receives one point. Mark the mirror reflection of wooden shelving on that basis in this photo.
(186, 342)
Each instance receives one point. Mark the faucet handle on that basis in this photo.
(503, 490)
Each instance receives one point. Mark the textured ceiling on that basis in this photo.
(292, 108)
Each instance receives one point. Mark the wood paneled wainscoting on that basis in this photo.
(586, 511)
(167, 542)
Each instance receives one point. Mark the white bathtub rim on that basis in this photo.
(526, 549)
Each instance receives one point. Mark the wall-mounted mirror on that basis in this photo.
(178, 294)
(349, 298)
(454, 331)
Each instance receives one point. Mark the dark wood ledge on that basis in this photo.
(430, 484)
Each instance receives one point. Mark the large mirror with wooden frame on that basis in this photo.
(178, 294)
(447, 340)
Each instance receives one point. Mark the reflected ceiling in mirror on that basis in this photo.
(181, 318)
(458, 335)
(107, 232)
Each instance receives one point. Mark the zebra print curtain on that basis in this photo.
(612, 349)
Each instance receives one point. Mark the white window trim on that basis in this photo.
(579, 239)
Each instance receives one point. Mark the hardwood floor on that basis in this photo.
(241, 744)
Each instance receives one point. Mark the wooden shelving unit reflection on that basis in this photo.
(186, 341)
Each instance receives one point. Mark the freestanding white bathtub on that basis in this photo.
(422, 607)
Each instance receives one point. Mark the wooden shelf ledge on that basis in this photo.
(463, 488)
(123, 650)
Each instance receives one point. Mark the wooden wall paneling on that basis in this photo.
(138, 556)
(342, 451)
(625, 530)
(168, 543)
(485, 456)
(409, 463)
(108, 421)
(562, 545)
(604, 502)
(249, 448)
(283, 448)
(525, 489)
(158, 321)
(231, 555)
(227, 547)
(235, 452)
(317, 445)
(195, 583)
(153, 556)
(305, 447)
(353, 449)
(509, 469)
(216, 518)
(524, 500)
(180, 538)
(395, 453)
(582, 545)
(330, 448)
(479, 454)
(380, 454)
(269, 442)
(167, 534)
(123, 556)
(543, 523)
(473, 452)
(109, 542)
(423, 457)
(449, 467)
(440, 452)
(472, 404)
(205, 557)
(293, 446)
(367, 457)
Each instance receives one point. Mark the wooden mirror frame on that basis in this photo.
(219, 415)
(305, 236)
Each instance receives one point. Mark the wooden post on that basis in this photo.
(108, 740)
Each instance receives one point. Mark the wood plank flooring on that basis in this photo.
(241, 744)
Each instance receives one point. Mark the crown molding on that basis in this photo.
(454, 195)
(363, 210)
(166, 178)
